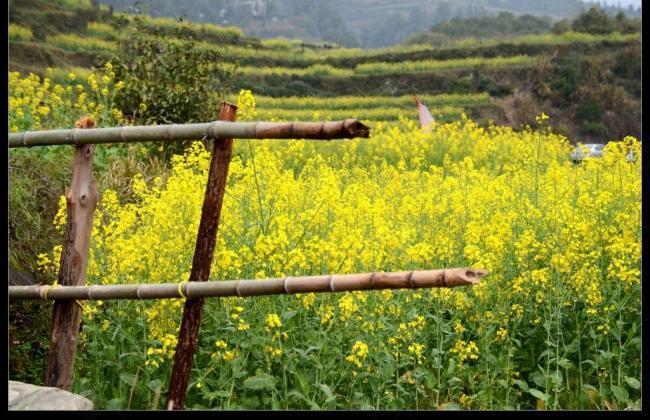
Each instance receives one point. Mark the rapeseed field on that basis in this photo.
(556, 325)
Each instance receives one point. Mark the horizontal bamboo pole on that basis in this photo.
(278, 286)
(345, 129)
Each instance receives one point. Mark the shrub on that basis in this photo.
(593, 21)
(593, 128)
(165, 81)
(589, 110)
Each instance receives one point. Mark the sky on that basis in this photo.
(624, 3)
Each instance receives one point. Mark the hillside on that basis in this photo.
(363, 23)
(516, 78)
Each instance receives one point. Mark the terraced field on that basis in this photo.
(386, 78)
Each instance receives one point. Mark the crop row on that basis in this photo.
(356, 102)
(372, 114)
(285, 53)
(170, 24)
(391, 68)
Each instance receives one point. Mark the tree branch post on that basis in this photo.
(81, 200)
(203, 254)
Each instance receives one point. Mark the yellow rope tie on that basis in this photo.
(180, 289)
(47, 289)
(81, 306)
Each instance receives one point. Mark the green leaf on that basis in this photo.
(259, 382)
(633, 382)
(538, 394)
(127, 378)
(451, 406)
(218, 394)
(154, 385)
(302, 381)
(116, 404)
(453, 381)
(327, 391)
(539, 379)
(522, 384)
(620, 393)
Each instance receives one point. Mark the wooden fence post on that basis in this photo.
(81, 200)
(203, 254)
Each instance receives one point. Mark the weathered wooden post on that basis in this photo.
(203, 254)
(81, 200)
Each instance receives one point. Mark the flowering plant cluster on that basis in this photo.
(555, 325)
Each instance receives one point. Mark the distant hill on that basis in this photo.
(351, 23)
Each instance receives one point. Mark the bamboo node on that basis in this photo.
(286, 286)
(444, 279)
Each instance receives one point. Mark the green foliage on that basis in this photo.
(101, 30)
(504, 25)
(76, 43)
(596, 21)
(628, 63)
(593, 128)
(429, 65)
(164, 26)
(314, 70)
(561, 26)
(19, 33)
(589, 110)
(565, 80)
(168, 82)
(593, 21)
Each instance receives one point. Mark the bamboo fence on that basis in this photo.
(345, 129)
(453, 277)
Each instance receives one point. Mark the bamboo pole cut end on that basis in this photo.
(355, 128)
(473, 275)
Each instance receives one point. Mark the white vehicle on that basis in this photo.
(583, 151)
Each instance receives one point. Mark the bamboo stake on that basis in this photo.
(350, 128)
(336, 283)
(81, 200)
(203, 254)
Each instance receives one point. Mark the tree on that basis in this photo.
(594, 21)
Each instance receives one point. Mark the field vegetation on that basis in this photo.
(562, 243)
(556, 324)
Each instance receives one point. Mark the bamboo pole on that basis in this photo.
(81, 200)
(349, 128)
(336, 283)
(201, 262)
